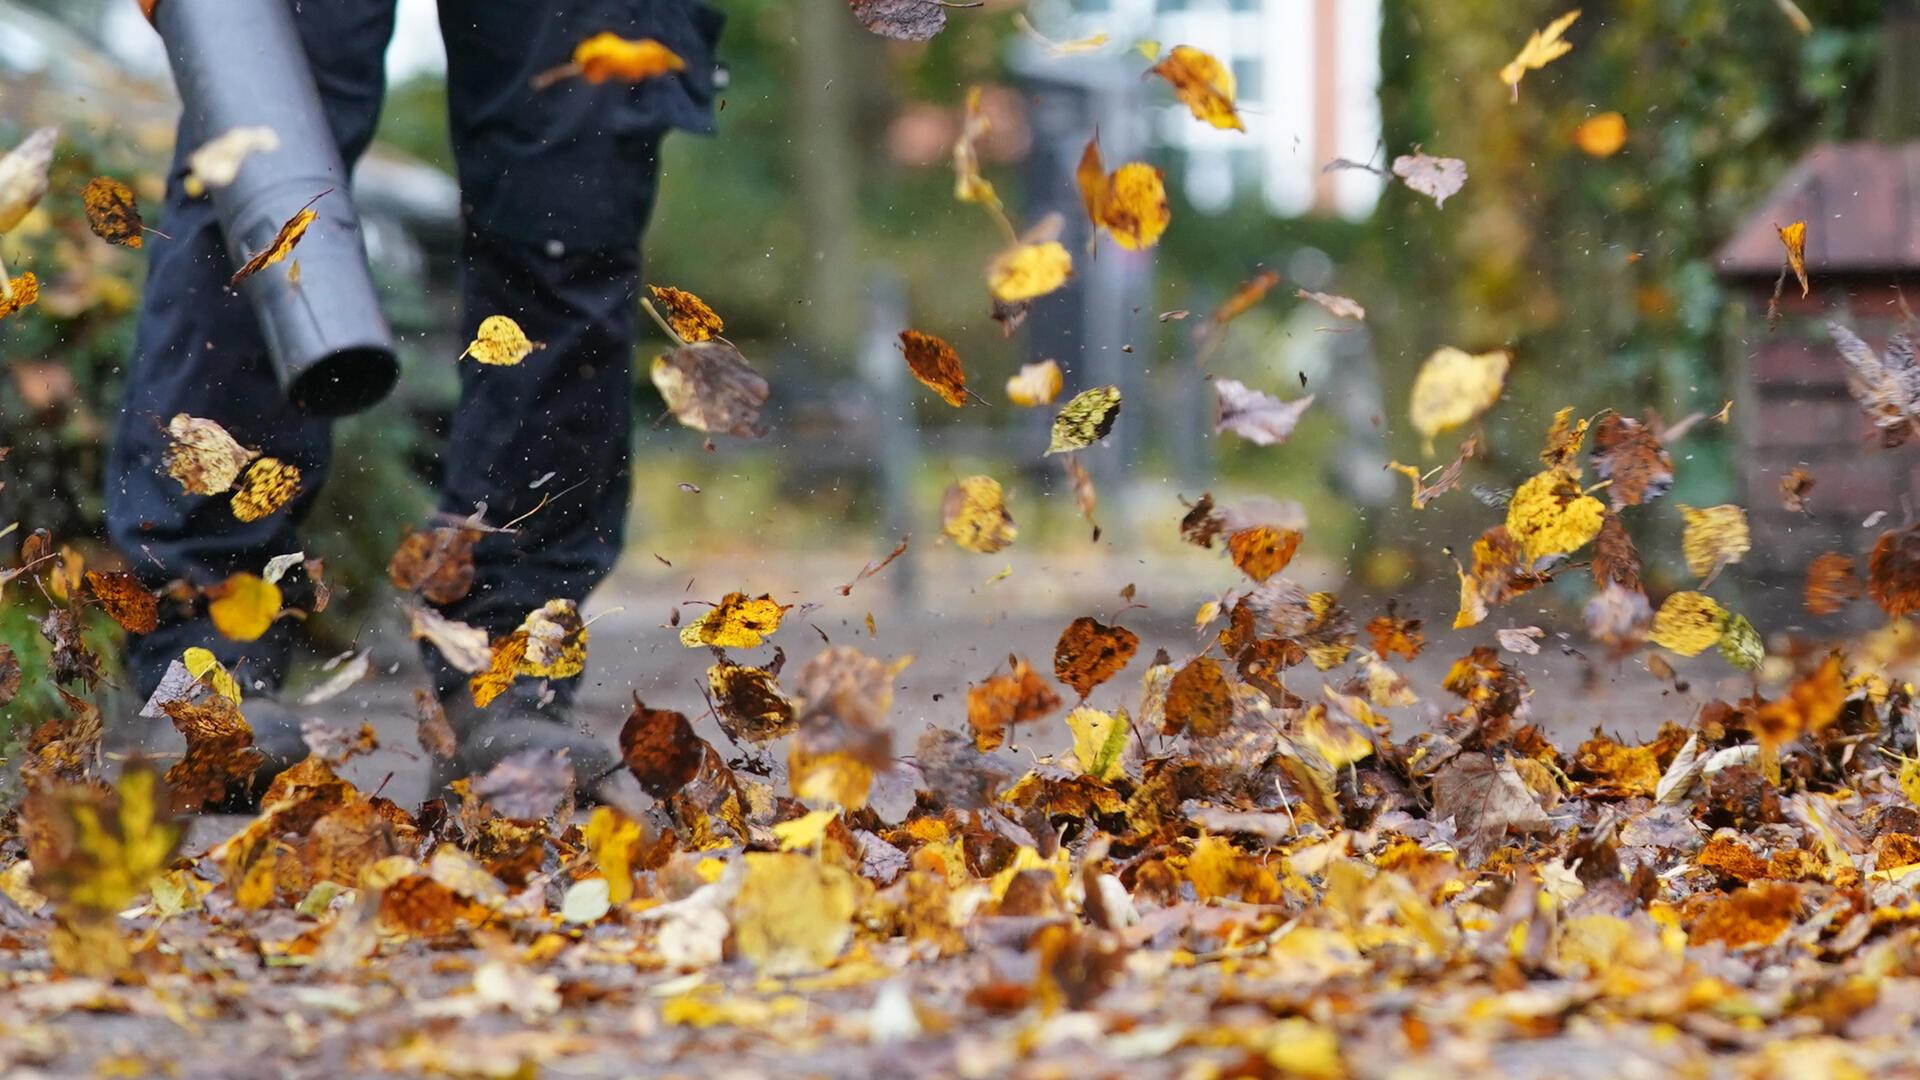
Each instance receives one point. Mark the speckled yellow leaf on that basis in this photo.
(974, 514)
(737, 622)
(499, 342)
(1714, 537)
(1550, 515)
(1028, 271)
(1203, 84)
(269, 485)
(1688, 623)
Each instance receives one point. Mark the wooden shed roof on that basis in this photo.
(1861, 203)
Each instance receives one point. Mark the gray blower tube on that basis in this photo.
(238, 63)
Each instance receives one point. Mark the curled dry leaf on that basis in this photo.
(556, 641)
(687, 314)
(1831, 583)
(130, 603)
(1793, 237)
(936, 365)
(463, 647)
(1090, 652)
(1893, 571)
(1199, 700)
(902, 20)
(431, 728)
(710, 387)
(1203, 84)
(529, 784)
(1037, 384)
(1437, 481)
(1887, 387)
(344, 678)
(1002, 701)
(202, 456)
(660, 749)
(750, 705)
(112, 213)
(216, 163)
(1339, 307)
(974, 515)
(1453, 387)
(1438, 178)
(968, 185)
(23, 176)
(1261, 419)
(1524, 640)
(1795, 487)
(1628, 455)
(1085, 420)
(499, 342)
(281, 246)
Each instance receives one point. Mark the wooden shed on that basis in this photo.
(1861, 203)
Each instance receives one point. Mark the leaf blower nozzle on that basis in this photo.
(239, 63)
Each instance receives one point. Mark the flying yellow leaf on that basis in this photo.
(1092, 43)
(737, 622)
(793, 914)
(806, 831)
(613, 839)
(244, 606)
(607, 56)
(1454, 386)
(282, 245)
(1714, 537)
(1794, 238)
(1027, 271)
(1542, 48)
(500, 342)
(1098, 739)
(974, 514)
(1550, 515)
(1130, 204)
(18, 293)
(1036, 385)
(1203, 83)
(968, 185)
(1688, 623)
(1602, 135)
(204, 666)
(269, 485)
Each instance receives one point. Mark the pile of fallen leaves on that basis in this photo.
(1193, 870)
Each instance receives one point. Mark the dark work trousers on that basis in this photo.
(556, 187)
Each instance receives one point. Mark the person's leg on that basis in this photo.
(557, 183)
(198, 350)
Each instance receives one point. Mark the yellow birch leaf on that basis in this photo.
(244, 606)
(500, 342)
(1036, 385)
(1027, 271)
(1688, 623)
(974, 514)
(1455, 386)
(1714, 537)
(1203, 84)
(737, 622)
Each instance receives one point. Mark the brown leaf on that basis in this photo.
(1199, 700)
(660, 749)
(1893, 571)
(1339, 307)
(689, 315)
(1261, 419)
(1830, 583)
(1887, 387)
(431, 726)
(1615, 559)
(1485, 799)
(1263, 551)
(1090, 652)
(955, 771)
(1794, 489)
(1251, 292)
(129, 602)
(436, 563)
(1628, 454)
(1434, 483)
(1202, 522)
(220, 752)
(936, 365)
(9, 674)
(1001, 701)
(1392, 635)
(710, 387)
(282, 244)
(750, 705)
